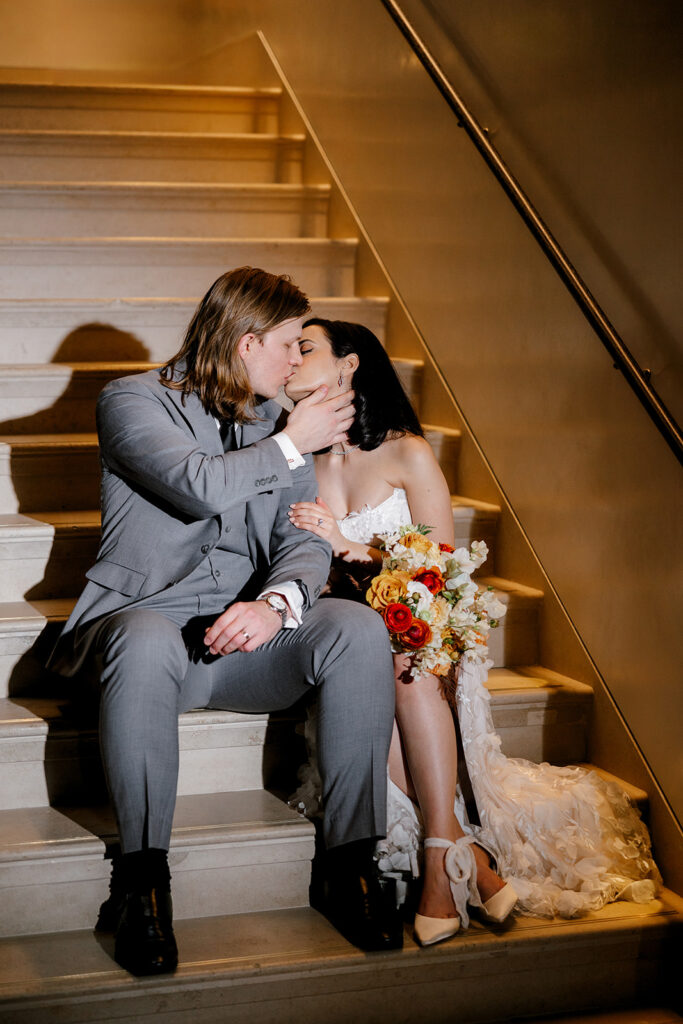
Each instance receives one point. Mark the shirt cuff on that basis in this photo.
(289, 450)
(294, 598)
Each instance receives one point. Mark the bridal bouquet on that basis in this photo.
(430, 605)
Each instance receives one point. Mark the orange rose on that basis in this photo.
(431, 579)
(446, 547)
(386, 589)
(417, 635)
(398, 618)
(418, 542)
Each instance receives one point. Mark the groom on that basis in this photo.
(204, 595)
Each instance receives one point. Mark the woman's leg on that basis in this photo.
(428, 741)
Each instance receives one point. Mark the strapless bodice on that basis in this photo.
(365, 525)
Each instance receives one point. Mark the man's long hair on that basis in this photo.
(242, 301)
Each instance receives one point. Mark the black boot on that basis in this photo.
(141, 911)
(358, 901)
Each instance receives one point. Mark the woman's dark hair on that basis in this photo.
(382, 406)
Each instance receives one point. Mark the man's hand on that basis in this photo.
(317, 421)
(243, 627)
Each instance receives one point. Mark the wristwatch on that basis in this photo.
(279, 605)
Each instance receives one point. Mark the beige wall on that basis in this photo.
(584, 102)
(591, 481)
(594, 486)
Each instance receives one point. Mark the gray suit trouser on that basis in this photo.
(148, 676)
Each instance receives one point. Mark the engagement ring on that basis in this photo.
(244, 633)
(320, 522)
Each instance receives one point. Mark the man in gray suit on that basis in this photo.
(204, 595)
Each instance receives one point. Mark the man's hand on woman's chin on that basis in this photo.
(318, 421)
(243, 627)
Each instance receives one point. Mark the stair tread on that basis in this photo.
(245, 815)
(299, 942)
(37, 611)
(35, 716)
(156, 302)
(137, 88)
(510, 591)
(181, 187)
(157, 136)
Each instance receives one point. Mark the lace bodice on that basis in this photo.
(365, 525)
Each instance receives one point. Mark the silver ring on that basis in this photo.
(244, 633)
(320, 522)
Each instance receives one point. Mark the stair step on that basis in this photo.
(49, 471)
(139, 107)
(82, 330)
(410, 373)
(53, 155)
(29, 630)
(515, 641)
(49, 750)
(445, 443)
(162, 209)
(60, 397)
(111, 267)
(56, 397)
(293, 965)
(61, 471)
(46, 554)
(230, 853)
(50, 755)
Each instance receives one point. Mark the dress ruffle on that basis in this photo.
(567, 840)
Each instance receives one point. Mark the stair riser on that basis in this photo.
(40, 772)
(50, 270)
(65, 479)
(41, 333)
(23, 653)
(226, 878)
(115, 159)
(40, 215)
(597, 968)
(99, 112)
(446, 448)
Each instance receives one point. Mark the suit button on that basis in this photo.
(227, 529)
(205, 548)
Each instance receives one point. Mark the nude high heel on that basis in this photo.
(458, 863)
(502, 903)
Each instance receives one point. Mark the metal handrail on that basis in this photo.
(637, 378)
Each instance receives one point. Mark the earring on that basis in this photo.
(341, 379)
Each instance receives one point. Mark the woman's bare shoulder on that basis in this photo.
(410, 458)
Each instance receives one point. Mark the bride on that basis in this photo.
(564, 840)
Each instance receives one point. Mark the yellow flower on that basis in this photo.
(387, 588)
(418, 542)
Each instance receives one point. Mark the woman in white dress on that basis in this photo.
(564, 840)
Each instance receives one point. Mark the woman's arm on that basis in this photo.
(317, 517)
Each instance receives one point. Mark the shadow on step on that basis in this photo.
(59, 478)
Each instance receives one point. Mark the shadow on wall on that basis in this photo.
(64, 476)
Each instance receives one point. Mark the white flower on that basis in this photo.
(424, 596)
(457, 581)
(494, 608)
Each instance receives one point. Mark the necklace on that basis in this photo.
(344, 451)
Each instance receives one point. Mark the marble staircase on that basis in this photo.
(118, 207)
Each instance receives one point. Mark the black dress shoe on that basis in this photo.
(139, 911)
(145, 943)
(361, 904)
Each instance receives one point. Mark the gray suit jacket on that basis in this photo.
(168, 490)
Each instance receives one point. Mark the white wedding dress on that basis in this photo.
(568, 841)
